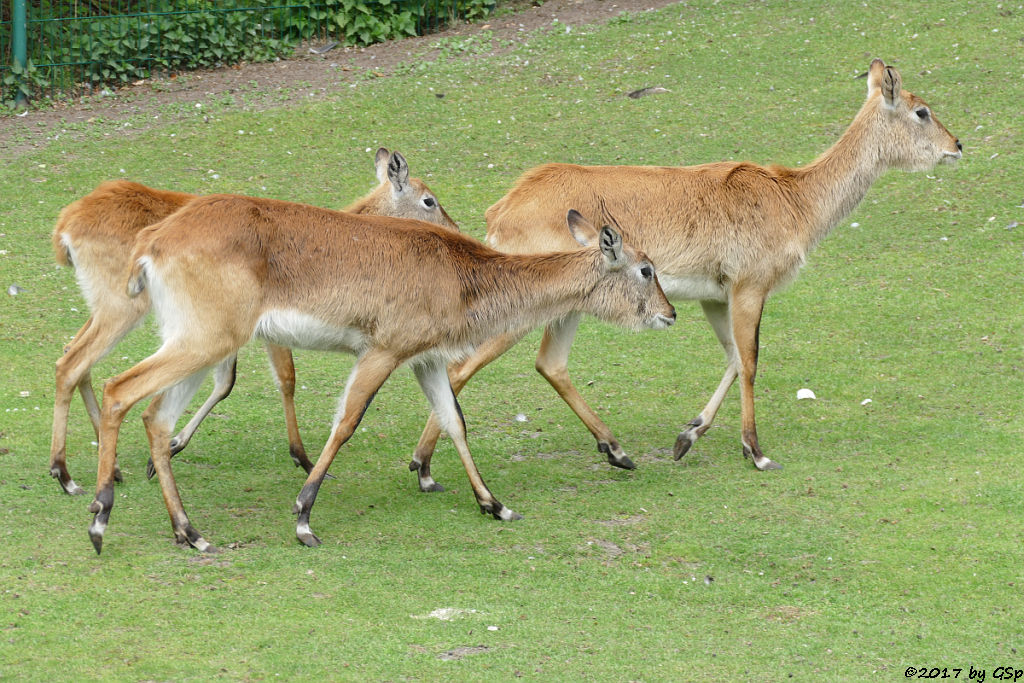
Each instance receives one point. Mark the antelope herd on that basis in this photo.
(392, 281)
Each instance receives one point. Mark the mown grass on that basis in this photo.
(891, 539)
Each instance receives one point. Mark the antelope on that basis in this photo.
(226, 268)
(96, 233)
(725, 234)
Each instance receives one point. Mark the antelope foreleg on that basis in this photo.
(717, 314)
(553, 364)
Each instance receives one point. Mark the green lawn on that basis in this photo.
(891, 539)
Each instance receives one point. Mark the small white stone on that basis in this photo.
(805, 393)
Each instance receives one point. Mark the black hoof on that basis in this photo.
(682, 445)
(499, 512)
(761, 462)
(432, 487)
(687, 438)
(767, 464)
(67, 484)
(177, 446)
(150, 469)
(100, 507)
(97, 540)
(615, 460)
(624, 462)
(117, 475)
(308, 538)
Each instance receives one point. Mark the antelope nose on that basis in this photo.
(959, 147)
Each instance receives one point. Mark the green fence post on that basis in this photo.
(19, 43)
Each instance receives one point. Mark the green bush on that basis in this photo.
(175, 35)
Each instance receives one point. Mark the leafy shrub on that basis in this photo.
(174, 35)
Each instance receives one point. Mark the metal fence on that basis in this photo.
(67, 46)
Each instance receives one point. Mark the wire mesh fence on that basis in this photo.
(75, 45)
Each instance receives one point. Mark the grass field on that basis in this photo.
(891, 539)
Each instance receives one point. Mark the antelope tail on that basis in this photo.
(137, 278)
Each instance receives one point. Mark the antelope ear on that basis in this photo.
(875, 72)
(611, 244)
(398, 171)
(380, 164)
(888, 80)
(582, 229)
(892, 86)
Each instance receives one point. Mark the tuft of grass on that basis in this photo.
(891, 539)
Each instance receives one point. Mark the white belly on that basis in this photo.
(301, 331)
(691, 288)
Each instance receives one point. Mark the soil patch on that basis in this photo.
(316, 74)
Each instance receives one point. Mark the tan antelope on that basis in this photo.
(226, 268)
(96, 235)
(725, 234)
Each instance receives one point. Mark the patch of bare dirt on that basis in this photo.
(320, 74)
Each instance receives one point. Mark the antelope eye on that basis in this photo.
(647, 272)
(429, 202)
(922, 113)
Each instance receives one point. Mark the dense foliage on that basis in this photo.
(116, 42)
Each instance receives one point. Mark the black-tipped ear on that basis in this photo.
(892, 86)
(582, 230)
(380, 164)
(887, 79)
(611, 244)
(398, 171)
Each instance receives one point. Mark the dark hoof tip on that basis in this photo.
(150, 469)
(414, 465)
(309, 540)
(175, 449)
(117, 476)
(682, 445)
(624, 462)
(432, 488)
(500, 512)
(97, 541)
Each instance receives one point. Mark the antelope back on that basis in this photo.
(110, 216)
(902, 126)
(400, 196)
